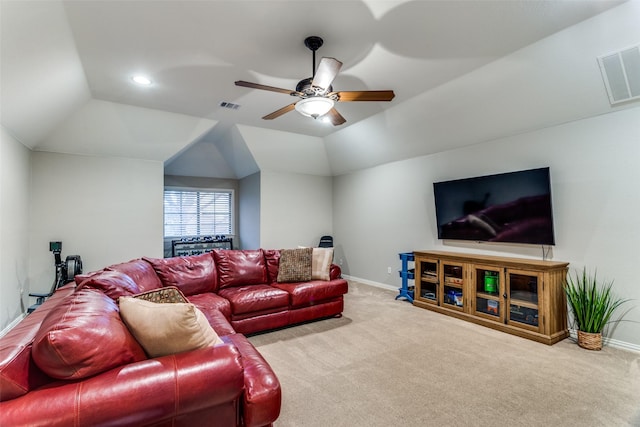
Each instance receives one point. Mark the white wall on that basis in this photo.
(249, 212)
(280, 151)
(595, 168)
(106, 210)
(15, 180)
(295, 209)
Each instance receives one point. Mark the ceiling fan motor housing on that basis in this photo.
(304, 86)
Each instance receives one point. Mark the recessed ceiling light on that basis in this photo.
(141, 80)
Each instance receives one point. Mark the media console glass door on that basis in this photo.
(428, 281)
(488, 285)
(524, 293)
(453, 295)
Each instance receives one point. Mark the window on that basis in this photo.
(197, 213)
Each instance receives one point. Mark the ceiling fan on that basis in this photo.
(316, 93)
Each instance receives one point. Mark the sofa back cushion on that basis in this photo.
(272, 258)
(112, 283)
(141, 272)
(240, 267)
(83, 336)
(193, 274)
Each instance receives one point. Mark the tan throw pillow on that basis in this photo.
(321, 263)
(295, 265)
(163, 329)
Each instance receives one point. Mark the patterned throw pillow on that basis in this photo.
(169, 294)
(295, 265)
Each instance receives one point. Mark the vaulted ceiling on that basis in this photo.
(66, 69)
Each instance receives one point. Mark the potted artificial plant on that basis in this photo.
(592, 304)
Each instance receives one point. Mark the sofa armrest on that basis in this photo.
(140, 393)
(335, 272)
(262, 397)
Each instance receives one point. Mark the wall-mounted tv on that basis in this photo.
(512, 207)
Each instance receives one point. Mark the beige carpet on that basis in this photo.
(388, 363)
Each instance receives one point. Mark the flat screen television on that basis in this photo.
(512, 207)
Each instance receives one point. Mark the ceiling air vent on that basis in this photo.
(229, 105)
(621, 74)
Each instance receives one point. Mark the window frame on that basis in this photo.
(229, 191)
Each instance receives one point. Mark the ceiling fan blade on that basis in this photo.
(335, 118)
(265, 87)
(365, 95)
(280, 112)
(326, 72)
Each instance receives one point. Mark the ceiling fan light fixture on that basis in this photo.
(314, 107)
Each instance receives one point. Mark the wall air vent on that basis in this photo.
(229, 105)
(621, 74)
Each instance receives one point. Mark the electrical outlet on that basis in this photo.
(341, 261)
(389, 270)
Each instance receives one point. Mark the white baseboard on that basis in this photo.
(623, 345)
(11, 325)
(370, 282)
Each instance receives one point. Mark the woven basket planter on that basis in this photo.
(590, 341)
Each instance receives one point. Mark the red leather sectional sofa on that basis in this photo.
(99, 375)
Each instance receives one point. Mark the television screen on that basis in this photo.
(512, 207)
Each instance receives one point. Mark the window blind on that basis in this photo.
(197, 213)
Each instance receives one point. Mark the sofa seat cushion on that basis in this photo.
(83, 336)
(191, 274)
(141, 272)
(312, 292)
(209, 302)
(255, 298)
(240, 268)
(219, 323)
(114, 284)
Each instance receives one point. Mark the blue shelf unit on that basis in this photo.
(406, 274)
